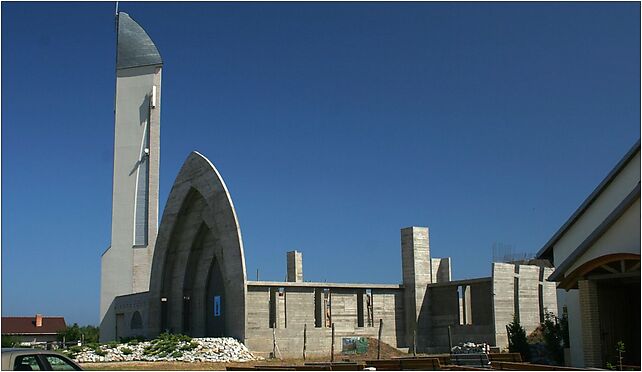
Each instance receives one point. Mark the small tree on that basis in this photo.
(88, 334)
(553, 337)
(564, 330)
(620, 350)
(9, 341)
(517, 339)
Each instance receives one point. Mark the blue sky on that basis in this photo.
(333, 124)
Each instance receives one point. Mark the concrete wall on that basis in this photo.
(416, 273)
(344, 308)
(387, 305)
(531, 305)
(127, 306)
(549, 292)
(445, 312)
(482, 303)
(300, 306)
(441, 271)
(529, 310)
(125, 266)
(295, 266)
(503, 300)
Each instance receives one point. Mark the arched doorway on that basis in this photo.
(610, 299)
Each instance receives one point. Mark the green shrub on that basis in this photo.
(176, 354)
(126, 351)
(168, 344)
(9, 341)
(553, 338)
(99, 352)
(517, 339)
(132, 340)
(191, 346)
(112, 344)
(75, 349)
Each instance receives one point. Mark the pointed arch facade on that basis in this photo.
(198, 278)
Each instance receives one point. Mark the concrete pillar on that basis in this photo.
(440, 270)
(295, 266)
(416, 273)
(590, 324)
(468, 305)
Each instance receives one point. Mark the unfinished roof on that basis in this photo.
(135, 48)
(547, 251)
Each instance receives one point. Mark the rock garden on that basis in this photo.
(167, 347)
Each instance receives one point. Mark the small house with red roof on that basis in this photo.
(33, 328)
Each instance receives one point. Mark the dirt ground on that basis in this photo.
(387, 352)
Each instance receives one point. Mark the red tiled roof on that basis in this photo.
(27, 325)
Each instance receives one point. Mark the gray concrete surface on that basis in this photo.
(295, 266)
(198, 256)
(126, 264)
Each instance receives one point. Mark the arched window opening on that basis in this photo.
(137, 321)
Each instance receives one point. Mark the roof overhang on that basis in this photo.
(546, 251)
(561, 269)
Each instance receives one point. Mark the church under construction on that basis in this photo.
(187, 275)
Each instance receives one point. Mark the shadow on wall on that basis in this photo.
(400, 328)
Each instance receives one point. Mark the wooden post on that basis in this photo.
(64, 344)
(450, 340)
(274, 341)
(305, 339)
(414, 342)
(379, 339)
(332, 346)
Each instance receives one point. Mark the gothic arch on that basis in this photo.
(198, 262)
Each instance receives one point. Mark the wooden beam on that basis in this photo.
(610, 269)
(612, 276)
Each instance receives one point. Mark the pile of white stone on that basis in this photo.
(470, 348)
(222, 349)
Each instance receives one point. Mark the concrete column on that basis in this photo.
(468, 305)
(295, 266)
(440, 270)
(590, 324)
(416, 272)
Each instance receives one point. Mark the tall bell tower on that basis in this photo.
(126, 264)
